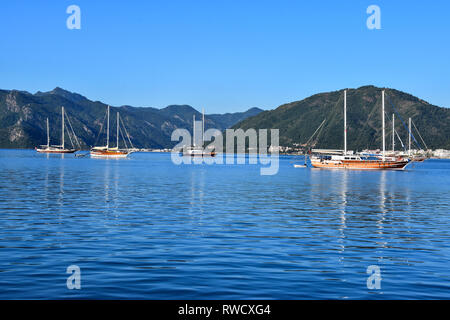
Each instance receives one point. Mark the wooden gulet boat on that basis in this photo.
(58, 149)
(358, 162)
(107, 151)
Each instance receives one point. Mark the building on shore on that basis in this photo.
(441, 154)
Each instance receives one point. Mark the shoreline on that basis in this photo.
(224, 153)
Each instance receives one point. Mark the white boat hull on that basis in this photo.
(109, 156)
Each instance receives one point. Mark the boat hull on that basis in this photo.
(56, 150)
(198, 154)
(109, 154)
(360, 165)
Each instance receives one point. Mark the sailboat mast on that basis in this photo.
(203, 126)
(193, 131)
(345, 122)
(393, 132)
(48, 135)
(409, 138)
(117, 130)
(383, 124)
(62, 133)
(107, 130)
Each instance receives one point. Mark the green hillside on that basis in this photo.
(298, 120)
(23, 120)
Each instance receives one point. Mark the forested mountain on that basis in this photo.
(298, 120)
(23, 119)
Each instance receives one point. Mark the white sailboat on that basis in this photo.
(61, 148)
(195, 150)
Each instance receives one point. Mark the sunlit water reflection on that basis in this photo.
(146, 228)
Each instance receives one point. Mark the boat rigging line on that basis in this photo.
(73, 133)
(126, 132)
(319, 128)
(101, 129)
(401, 119)
(396, 133)
(419, 134)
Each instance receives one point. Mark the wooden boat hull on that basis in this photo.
(360, 164)
(109, 154)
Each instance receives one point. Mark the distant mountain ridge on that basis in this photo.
(23, 116)
(298, 120)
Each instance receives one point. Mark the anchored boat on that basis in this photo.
(59, 149)
(198, 150)
(359, 162)
(112, 152)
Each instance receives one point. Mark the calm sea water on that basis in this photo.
(144, 228)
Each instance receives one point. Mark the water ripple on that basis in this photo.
(143, 228)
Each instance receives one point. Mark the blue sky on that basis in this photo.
(224, 56)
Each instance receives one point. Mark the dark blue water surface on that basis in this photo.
(144, 228)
